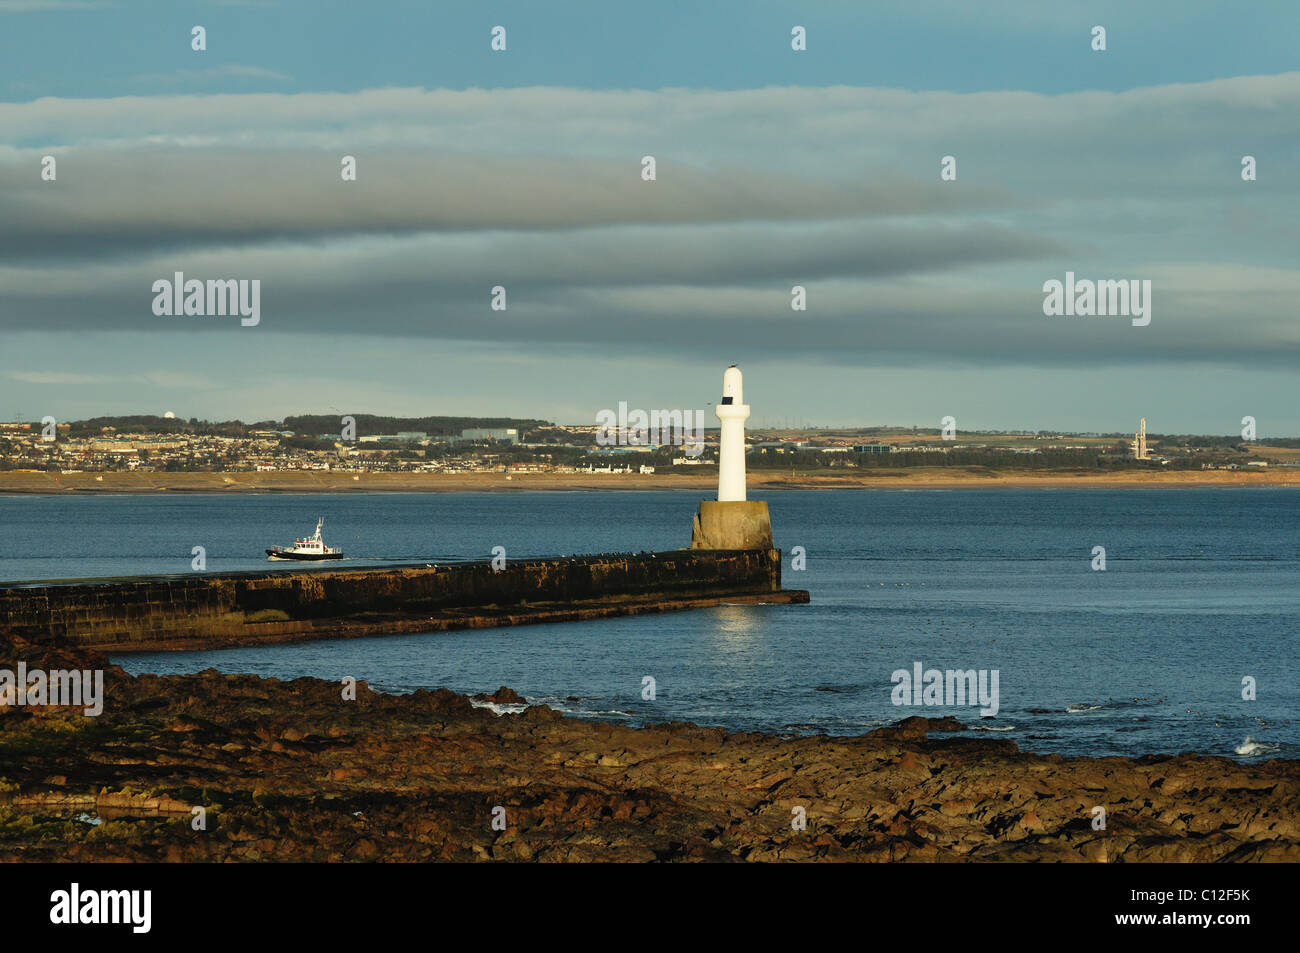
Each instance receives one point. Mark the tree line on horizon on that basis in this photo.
(307, 424)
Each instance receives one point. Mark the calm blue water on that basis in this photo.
(1201, 588)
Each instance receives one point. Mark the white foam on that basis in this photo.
(499, 708)
(1250, 746)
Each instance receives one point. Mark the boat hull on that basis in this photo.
(275, 554)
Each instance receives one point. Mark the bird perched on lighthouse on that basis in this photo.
(732, 412)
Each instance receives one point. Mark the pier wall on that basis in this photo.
(220, 609)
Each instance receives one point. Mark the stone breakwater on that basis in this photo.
(211, 610)
(292, 771)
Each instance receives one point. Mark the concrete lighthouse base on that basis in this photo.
(743, 524)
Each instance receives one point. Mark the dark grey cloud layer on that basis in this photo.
(540, 191)
(106, 204)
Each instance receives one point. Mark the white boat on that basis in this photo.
(311, 548)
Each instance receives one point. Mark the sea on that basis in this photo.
(1117, 622)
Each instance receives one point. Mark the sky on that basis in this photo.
(774, 168)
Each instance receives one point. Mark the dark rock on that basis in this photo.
(290, 772)
(502, 696)
(916, 727)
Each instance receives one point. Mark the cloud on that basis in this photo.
(40, 6)
(108, 203)
(227, 71)
(540, 190)
(57, 377)
(165, 379)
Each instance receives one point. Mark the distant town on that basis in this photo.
(366, 443)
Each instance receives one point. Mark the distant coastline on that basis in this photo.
(760, 481)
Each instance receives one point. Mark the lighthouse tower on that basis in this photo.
(733, 412)
(731, 521)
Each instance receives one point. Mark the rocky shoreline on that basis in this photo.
(293, 770)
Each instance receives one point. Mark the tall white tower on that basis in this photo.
(732, 522)
(1140, 441)
(732, 412)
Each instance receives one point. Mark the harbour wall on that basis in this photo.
(208, 610)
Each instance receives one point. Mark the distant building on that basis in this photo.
(406, 436)
(498, 434)
(1140, 451)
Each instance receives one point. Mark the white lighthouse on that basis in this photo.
(732, 412)
(731, 521)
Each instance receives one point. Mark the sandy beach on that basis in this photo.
(760, 481)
